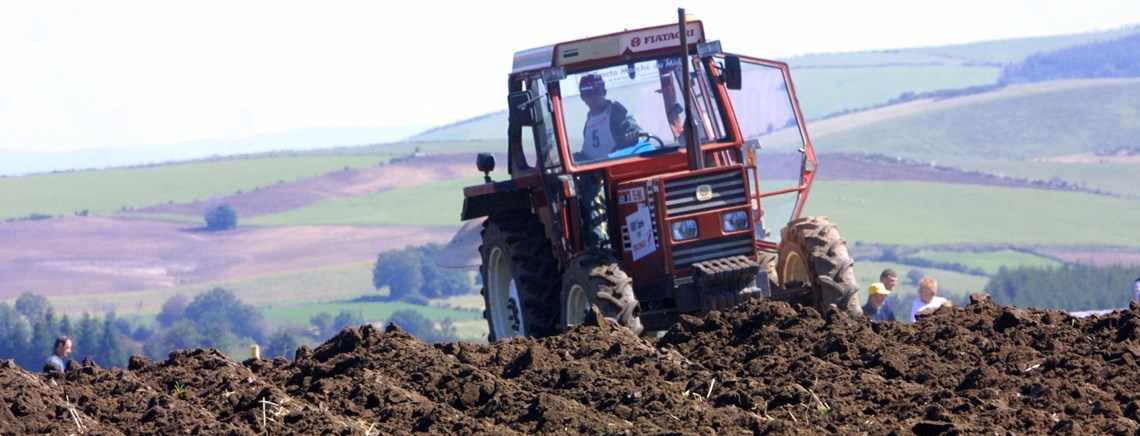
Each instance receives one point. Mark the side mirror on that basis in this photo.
(522, 109)
(485, 162)
(731, 72)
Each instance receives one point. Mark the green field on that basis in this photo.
(827, 91)
(371, 311)
(990, 262)
(337, 282)
(1117, 178)
(988, 52)
(437, 203)
(921, 214)
(109, 191)
(1015, 50)
(1021, 122)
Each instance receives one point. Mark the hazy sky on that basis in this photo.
(80, 74)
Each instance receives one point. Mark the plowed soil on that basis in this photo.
(764, 367)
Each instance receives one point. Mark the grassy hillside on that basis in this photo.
(917, 214)
(436, 203)
(830, 90)
(109, 191)
(1019, 122)
(1120, 178)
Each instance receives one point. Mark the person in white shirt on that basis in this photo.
(1136, 290)
(927, 298)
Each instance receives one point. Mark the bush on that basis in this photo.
(220, 218)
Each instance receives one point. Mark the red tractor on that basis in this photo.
(635, 162)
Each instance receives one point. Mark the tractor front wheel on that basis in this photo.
(595, 278)
(812, 255)
(519, 278)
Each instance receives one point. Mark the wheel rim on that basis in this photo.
(795, 270)
(576, 305)
(503, 297)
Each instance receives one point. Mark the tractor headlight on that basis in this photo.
(684, 229)
(733, 221)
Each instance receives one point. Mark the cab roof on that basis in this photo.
(606, 46)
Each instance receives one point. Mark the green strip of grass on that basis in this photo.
(1019, 122)
(918, 214)
(1117, 178)
(991, 262)
(826, 91)
(109, 191)
(372, 311)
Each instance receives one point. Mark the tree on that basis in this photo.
(14, 333)
(173, 310)
(220, 218)
(439, 281)
(914, 276)
(110, 351)
(219, 308)
(413, 322)
(181, 335)
(323, 322)
(347, 318)
(32, 305)
(400, 271)
(411, 275)
(282, 344)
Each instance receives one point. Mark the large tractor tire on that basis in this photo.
(595, 278)
(814, 256)
(520, 278)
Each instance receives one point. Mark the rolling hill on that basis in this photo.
(1047, 168)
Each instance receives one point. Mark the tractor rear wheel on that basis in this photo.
(814, 256)
(595, 278)
(520, 278)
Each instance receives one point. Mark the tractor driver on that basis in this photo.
(609, 126)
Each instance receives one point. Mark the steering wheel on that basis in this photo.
(650, 137)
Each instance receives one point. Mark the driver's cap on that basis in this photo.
(591, 83)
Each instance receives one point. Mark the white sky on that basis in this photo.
(81, 74)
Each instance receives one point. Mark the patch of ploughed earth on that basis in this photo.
(764, 367)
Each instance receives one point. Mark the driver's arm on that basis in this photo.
(623, 126)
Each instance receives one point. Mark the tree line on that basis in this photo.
(213, 319)
(1068, 287)
(1117, 58)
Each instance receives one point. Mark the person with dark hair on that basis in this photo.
(609, 126)
(889, 278)
(59, 352)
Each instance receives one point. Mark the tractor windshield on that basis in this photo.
(623, 110)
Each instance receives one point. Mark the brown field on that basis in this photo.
(761, 368)
(106, 256)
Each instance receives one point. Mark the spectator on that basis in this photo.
(59, 352)
(1136, 290)
(878, 307)
(927, 298)
(889, 278)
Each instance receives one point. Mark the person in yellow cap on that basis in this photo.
(878, 307)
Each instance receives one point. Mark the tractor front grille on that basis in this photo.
(728, 189)
(684, 255)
